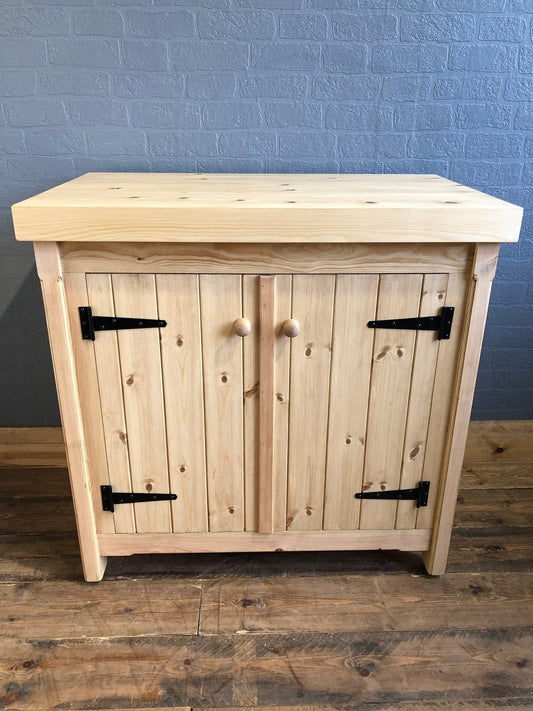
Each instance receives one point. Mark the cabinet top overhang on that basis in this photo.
(231, 207)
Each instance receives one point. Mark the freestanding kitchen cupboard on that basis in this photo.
(265, 362)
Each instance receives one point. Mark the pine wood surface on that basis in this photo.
(266, 208)
(274, 631)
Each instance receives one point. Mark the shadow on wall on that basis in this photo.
(26, 373)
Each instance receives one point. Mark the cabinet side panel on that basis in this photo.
(355, 305)
(181, 355)
(140, 360)
(221, 304)
(250, 310)
(111, 400)
(399, 297)
(420, 397)
(312, 306)
(84, 357)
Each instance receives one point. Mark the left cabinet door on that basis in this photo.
(168, 401)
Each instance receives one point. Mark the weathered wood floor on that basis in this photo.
(327, 630)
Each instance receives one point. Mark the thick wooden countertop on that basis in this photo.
(189, 207)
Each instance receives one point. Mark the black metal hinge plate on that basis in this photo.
(442, 323)
(110, 498)
(420, 494)
(90, 323)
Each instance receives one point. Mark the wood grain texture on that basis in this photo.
(251, 404)
(266, 208)
(267, 343)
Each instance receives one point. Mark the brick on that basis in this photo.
(138, 164)
(33, 21)
(231, 165)
(483, 173)
(472, 5)
(17, 82)
(84, 52)
(190, 143)
(231, 115)
(371, 145)
(422, 117)
(165, 114)
(145, 85)
(12, 141)
(416, 165)
(486, 58)
(277, 86)
(483, 116)
(270, 4)
(35, 112)
(148, 55)
(413, 5)
(363, 165)
(435, 145)
(525, 60)
(365, 28)
(106, 23)
(518, 89)
(402, 58)
(520, 6)
(493, 145)
(160, 24)
(55, 141)
(342, 86)
(247, 143)
(287, 114)
(77, 83)
(22, 52)
(285, 55)
(210, 56)
(114, 141)
(481, 88)
(406, 88)
(305, 26)
(298, 143)
(529, 147)
(211, 86)
(344, 58)
(347, 4)
(437, 28)
(174, 3)
(502, 29)
(38, 168)
(94, 112)
(359, 117)
(524, 117)
(215, 24)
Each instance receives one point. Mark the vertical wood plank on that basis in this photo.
(399, 297)
(221, 304)
(312, 306)
(250, 310)
(282, 352)
(55, 304)
(420, 397)
(84, 357)
(178, 301)
(267, 337)
(105, 345)
(355, 305)
(140, 359)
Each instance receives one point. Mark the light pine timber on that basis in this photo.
(267, 299)
(251, 405)
(51, 278)
(483, 273)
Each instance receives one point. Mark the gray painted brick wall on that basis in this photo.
(440, 86)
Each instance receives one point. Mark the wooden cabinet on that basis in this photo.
(295, 375)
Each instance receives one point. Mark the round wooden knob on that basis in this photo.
(242, 327)
(290, 327)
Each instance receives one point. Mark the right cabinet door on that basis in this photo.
(368, 408)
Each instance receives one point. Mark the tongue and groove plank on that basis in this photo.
(140, 360)
(251, 383)
(178, 670)
(181, 355)
(220, 306)
(100, 292)
(312, 306)
(398, 297)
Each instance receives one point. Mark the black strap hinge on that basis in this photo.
(110, 498)
(90, 323)
(420, 494)
(442, 323)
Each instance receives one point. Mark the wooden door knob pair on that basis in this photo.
(290, 327)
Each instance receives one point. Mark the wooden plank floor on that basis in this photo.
(280, 632)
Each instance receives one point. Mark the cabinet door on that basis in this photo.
(172, 399)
